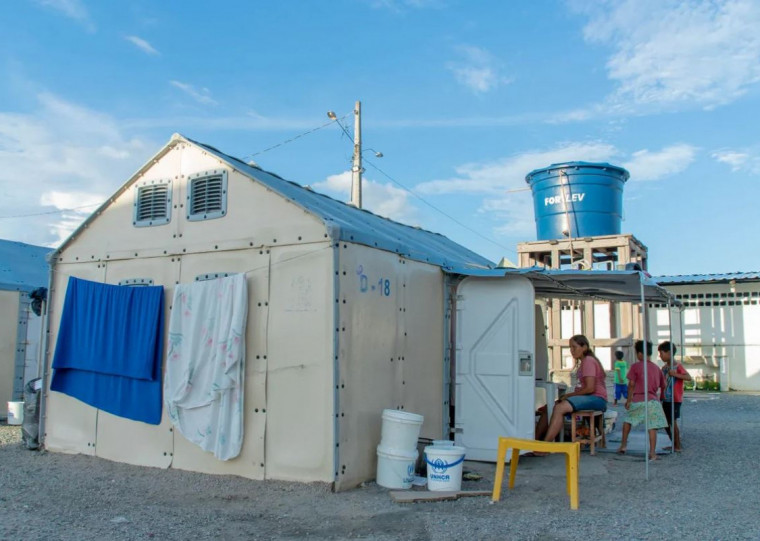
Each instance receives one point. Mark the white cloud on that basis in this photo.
(646, 165)
(201, 96)
(507, 197)
(747, 160)
(142, 44)
(74, 9)
(382, 199)
(61, 156)
(477, 69)
(675, 53)
(509, 173)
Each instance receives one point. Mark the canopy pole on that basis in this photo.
(646, 380)
(673, 390)
(683, 344)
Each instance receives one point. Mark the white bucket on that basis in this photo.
(400, 430)
(395, 468)
(444, 467)
(15, 413)
(443, 443)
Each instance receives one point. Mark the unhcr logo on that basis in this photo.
(439, 470)
(567, 198)
(439, 466)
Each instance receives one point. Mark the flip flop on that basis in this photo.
(621, 451)
(534, 454)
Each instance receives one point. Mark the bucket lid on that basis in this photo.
(446, 450)
(443, 443)
(402, 416)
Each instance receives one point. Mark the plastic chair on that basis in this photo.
(572, 452)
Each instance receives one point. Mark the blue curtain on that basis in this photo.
(109, 349)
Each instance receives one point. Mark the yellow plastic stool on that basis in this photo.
(572, 452)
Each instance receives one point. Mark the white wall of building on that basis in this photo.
(721, 332)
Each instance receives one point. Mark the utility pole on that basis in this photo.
(356, 167)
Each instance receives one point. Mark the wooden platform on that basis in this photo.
(412, 496)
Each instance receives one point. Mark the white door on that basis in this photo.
(494, 377)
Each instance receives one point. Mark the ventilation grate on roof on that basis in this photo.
(208, 196)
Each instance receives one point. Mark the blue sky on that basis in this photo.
(462, 98)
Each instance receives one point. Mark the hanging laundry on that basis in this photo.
(109, 348)
(205, 363)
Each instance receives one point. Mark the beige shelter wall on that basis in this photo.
(722, 343)
(69, 424)
(300, 338)
(110, 248)
(9, 306)
(255, 217)
(125, 440)
(250, 462)
(390, 352)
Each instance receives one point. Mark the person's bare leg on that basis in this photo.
(652, 443)
(676, 437)
(624, 440)
(543, 423)
(556, 423)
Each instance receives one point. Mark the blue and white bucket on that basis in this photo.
(444, 467)
(395, 467)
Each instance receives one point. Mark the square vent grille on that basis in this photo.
(152, 203)
(208, 196)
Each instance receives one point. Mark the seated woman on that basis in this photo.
(590, 392)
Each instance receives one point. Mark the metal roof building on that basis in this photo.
(23, 268)
(721, 322)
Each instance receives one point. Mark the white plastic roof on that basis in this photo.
(618, 286)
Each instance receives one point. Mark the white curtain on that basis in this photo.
(205, 364)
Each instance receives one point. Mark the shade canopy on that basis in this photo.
(614, 285)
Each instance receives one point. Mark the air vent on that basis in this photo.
(208, 196)
(152, 203)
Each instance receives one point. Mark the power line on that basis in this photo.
(59, 211)
(439, 210)
(285, 142)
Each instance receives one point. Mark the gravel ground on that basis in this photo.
(707, 492)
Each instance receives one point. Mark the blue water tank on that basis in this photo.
(577, 199)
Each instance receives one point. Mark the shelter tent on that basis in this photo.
(22, 270)
(345, 315)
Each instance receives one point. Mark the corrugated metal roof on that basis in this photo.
(707, 278)
(23, 266)
(350, 224)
